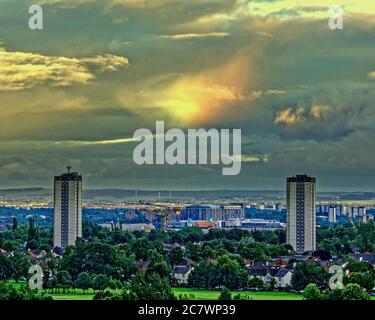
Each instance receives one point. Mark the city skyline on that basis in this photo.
(76, 91)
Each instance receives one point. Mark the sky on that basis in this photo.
(75, 92)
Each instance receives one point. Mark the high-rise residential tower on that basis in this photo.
(332, 213)
(67, 224)
(301, 213)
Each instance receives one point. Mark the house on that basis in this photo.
(369, 257)
(283, 278)
(180, 274)
(326, 264)
(169, 247)
(264, 272)
(285, 260)
(37, 254)
(57, 252)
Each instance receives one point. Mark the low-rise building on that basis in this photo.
(283, 278)
(180, 274)
(369, 257)
(265, 272)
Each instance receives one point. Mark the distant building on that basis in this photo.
(278, 207)
(67, 209)
(340, 210)
(201, 212)
(146, 227)
(362, 214)
(256, 224)
(354, 212)
(212, 212)
(332, 214)
(301, 213)
(358, 214)
(232, 212)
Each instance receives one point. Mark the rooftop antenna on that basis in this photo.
(69, 168)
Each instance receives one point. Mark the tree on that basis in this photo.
(193, 251)
(364, 280)
(192, 234)
(19, 265)
(158, 264)
(10, 245)
(249, 249)
(203, 276)
(176, 256)
(358, 266)
(100, 282)
(225, 295)
(99, 258)
(227, 272)
(306, 273)
(14, 224)
(150, 287)
(140, 248)
(6, 269)
(83, 281)
(365, 239)
(256, 282)
(63, 280)
(32, 235)
(271, 284)
(230, 274)
(208, 252)
(312, 292)
(114, 284)
(354, 292)
(335, 294)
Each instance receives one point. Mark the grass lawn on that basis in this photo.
(213, 295)
(72, 296)
(77, 294)
(198, 295)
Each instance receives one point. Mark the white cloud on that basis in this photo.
(23, 70)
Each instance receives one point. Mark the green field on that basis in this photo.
(72, 296)
(213, 295)
(194, 294)
(198, 295)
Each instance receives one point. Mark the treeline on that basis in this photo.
(110, 258)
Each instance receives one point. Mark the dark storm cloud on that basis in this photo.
(302, 94)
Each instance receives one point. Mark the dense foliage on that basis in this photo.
(107, 260)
